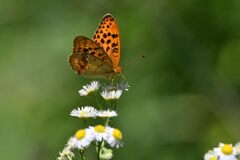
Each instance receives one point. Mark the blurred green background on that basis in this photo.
(184, 95)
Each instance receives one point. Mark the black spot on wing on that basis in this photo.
(108, 41)
(107, 49)
(100, 54)
(114, 35)
(114, 45)
(85, 50)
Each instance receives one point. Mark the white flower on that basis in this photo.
(111, 95)
(211, 155)
(65, 154)
(225, 152)
(237, 147)
(81, 139)
(114, 137)
(89, 88)
(106, 113)
(84, 112)
(123, 86)
(98, 132)
(106, 153)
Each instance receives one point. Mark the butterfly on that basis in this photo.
(98, 57)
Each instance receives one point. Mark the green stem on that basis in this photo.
(84, 122)
(114, 105)
(97, 101)
(82, 154)
(123, 77)
(98, 150)
(113, 81)
(69, 158)
(106, 122)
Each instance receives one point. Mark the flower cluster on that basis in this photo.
(108, 92)
(223, 152)
(90, 112)
(102, 136)
(84, 137)
(89, 88)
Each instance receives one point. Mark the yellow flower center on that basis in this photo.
(214, 158)
(80, 134)
(227, 149)
(99, 129)
(117, 134)
(83, 114)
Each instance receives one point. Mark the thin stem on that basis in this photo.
(123, 77)
(109, 104)
(97, 101)
(98, 150)
(113, 81)
(84, 122)
(114, 105)
(69, 158)
(100, 147)
(82, 154)
(106, 122)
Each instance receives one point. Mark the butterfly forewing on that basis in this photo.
(107, 36)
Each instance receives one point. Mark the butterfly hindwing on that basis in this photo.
(96, 68)
(89, 59)
(107, 36)
(86, 45)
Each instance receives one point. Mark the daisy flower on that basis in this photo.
(106, 113)
(81, 139)
(123, 86)
(106, 153)
(98, 132)
(65, 154)
(237, 147)
(225, 152)
(114, 137)
(89, 88)
(84, 112)
(111, 95)
(211, 155)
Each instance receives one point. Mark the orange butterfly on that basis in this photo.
(98, 57)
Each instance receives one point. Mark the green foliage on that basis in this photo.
(184, 95)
